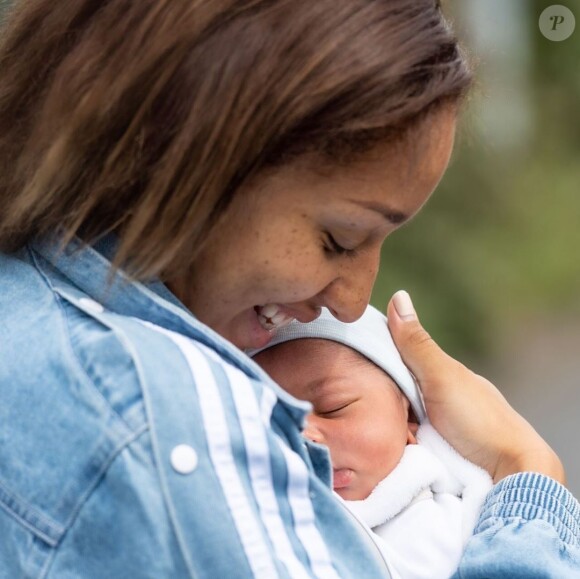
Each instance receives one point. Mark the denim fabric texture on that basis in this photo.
(137, 443)
(98, 391)
(529, 528)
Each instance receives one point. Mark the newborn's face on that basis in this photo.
(358, 411)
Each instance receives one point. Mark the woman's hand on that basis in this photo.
(467, 409)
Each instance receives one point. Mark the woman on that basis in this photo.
(242, 161)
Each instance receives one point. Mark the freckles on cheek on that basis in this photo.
(285, 263)
(279, 283)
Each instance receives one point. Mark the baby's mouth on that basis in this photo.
(271, 317)
(341, 478)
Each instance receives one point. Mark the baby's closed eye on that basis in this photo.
(329, 410)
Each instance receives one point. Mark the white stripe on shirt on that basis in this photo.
(258, 454)
(304, 519)
(220, 449)
(252, 419)
(267, 404)
(300, 503)
(260, 472)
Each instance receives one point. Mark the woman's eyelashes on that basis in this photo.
(332, 246)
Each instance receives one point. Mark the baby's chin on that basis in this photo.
(352, 495)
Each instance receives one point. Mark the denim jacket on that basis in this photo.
(135, 442)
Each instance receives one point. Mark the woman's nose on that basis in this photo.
(312, 431)
(348, 295)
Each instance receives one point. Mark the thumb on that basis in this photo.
(421, 354)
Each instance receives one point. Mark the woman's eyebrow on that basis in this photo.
(391, 215)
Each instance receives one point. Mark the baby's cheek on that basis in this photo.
(384, 449)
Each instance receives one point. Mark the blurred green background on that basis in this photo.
(493, 260)
(501, 236)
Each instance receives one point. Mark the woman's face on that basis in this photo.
(297, 239)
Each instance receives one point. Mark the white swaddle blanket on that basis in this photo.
(426, 509)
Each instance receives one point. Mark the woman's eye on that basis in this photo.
(332, 246)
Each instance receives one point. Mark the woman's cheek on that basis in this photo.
(298, 282)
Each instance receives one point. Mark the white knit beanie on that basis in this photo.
(369, 336)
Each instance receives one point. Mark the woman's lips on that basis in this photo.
(273, 317)
(341, 478)
(266, 319)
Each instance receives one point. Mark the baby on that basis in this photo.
(394, 471)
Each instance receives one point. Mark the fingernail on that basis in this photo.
(404, 305)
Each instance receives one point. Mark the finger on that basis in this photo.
(420, 353)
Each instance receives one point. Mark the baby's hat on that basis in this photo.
(369, 336)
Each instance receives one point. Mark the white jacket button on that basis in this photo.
(183, 459)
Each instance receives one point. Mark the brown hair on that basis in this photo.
(145, 117)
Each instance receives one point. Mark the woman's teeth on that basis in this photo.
(271, 318)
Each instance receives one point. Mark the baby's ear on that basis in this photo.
(412, 433)
(412, 427)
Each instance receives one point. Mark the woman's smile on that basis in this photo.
(272, 317)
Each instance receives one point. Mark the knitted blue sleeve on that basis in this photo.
(529, 527)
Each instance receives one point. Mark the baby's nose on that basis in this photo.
(312, 432)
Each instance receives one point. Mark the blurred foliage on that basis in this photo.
(500, 239)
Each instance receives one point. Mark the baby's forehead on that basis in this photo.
(350, 357)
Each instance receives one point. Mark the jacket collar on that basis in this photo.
(89, 269)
